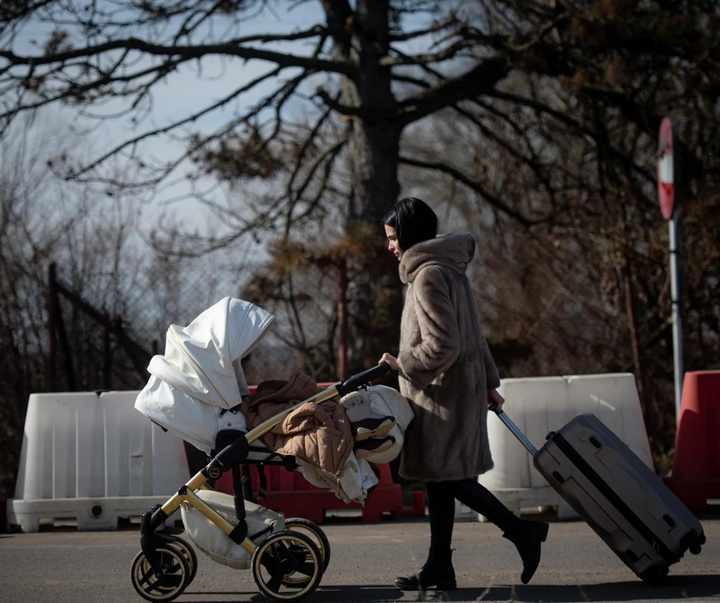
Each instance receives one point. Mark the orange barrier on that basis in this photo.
(290, 493)
(695, 476)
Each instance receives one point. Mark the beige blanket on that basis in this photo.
(319, 434)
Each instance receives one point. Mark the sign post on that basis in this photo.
(666, 175)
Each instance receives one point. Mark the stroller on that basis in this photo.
(194, 391)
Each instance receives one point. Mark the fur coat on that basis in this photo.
(445, 363)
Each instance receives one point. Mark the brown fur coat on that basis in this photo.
(445, 364)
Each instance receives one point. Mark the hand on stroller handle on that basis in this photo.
(359, 379)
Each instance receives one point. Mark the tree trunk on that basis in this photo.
(362, 39)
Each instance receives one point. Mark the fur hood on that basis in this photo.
(453, 251)
(445, 363)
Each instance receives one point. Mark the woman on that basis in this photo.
(448, 374)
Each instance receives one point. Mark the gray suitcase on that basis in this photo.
(645, 524)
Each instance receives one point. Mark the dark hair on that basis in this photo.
(414, 221)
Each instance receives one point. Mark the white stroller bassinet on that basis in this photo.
(195, 386)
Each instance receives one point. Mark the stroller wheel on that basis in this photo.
(287, 566)
(171, 580)
(314, 532)
(189, 554)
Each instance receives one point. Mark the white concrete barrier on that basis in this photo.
(91, 459)
(544, 404)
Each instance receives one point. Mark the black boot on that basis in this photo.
(438, 572)
(527, 537)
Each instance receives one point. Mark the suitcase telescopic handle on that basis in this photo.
(514, 429)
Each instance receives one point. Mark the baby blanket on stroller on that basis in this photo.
(321, 436)
(317, 433)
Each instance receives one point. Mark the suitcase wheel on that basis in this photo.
(655, 576)
(694, 541)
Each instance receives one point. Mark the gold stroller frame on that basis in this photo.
(287, 565)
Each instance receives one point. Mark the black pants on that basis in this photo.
(441, 508)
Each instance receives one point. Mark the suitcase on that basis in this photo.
(617, 494)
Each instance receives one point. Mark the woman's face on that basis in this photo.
(393, 245)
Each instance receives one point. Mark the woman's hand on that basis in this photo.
(495, 399)
(391, 360)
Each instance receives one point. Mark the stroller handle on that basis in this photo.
(359, 379)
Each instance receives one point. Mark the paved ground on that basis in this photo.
(68, 566)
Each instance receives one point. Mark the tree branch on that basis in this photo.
(479, 80)
(473, 185)
(231, 48)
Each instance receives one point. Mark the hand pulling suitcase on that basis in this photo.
(618, 495)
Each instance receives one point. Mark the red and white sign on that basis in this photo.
(666, 169)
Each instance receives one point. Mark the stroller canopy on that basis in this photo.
(203, 359)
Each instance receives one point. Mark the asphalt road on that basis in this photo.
(63, 565)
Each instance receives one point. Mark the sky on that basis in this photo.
(189, 89)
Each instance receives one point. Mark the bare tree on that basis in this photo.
(30, 229)
(327, 104)
(99, 260)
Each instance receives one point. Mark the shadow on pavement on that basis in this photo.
(699, 588)
(686, 588)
